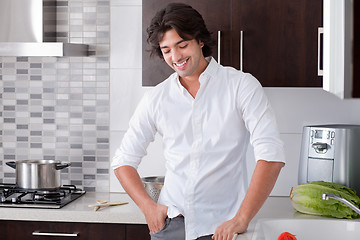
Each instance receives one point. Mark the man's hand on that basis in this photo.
(262, 182)
(155, 216)
(227, 229)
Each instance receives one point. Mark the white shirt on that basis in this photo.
(205, 141)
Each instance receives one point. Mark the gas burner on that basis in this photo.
(49, 196)
(12, 196)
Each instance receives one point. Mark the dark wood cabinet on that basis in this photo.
(14, 230)
(137, 232)
(279, 43)
(280, 46)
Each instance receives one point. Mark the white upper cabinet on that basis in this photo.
(339, 48)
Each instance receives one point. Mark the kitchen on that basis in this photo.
(77, 108)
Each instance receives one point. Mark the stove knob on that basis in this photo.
(14, 200)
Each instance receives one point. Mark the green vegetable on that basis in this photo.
(307, 198)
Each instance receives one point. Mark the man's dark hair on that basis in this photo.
(185, 20)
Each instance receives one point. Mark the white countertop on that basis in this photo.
(78, 211)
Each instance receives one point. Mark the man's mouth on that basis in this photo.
(181, 64)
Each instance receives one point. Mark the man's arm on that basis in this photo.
(261, 185)
(155, 214)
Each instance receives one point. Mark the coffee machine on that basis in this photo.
(331, 153)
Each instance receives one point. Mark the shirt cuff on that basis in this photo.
(121, 160)
(269, 152)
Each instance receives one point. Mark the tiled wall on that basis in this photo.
(58, 108)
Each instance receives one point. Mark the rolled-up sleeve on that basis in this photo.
(260, 121)
(141, 132)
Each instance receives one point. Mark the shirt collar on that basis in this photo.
(209, 72)
(205, 76)
(211, 68)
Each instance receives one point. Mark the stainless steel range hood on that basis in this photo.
(28, 28)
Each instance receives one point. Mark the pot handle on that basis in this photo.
(11, 164)
(62, 166)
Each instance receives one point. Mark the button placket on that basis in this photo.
(194, 161)
(196, 121)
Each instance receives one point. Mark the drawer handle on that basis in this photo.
(37, 233)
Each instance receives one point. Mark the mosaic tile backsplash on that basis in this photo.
(58, 108)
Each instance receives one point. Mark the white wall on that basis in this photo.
(125, 82)
(294, 107)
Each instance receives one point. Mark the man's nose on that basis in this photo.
(176, 55)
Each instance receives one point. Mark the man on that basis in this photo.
(206, 114)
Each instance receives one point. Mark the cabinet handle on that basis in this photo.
(37, 233)
(241, 50)
(320, 32)
(219, 46)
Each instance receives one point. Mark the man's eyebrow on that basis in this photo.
(162, 47)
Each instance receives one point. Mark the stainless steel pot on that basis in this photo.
(38, 174)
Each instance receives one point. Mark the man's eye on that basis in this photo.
(184, 46)
(166, 51)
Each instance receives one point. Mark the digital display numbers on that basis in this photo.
(319, 134)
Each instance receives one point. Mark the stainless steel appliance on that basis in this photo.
(28, 28)
(331, 153)
(13, 196)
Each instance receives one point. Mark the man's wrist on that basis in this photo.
(147, 205)
(242, 219)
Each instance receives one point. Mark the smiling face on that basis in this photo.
(184, 56)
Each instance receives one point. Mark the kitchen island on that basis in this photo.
(129, 214)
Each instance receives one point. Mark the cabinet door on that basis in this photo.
(217, 16)
(137, 232)
(14, 230)
(279, 40)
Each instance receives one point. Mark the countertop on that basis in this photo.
(78, 211)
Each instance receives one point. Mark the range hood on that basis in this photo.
(28, 28)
